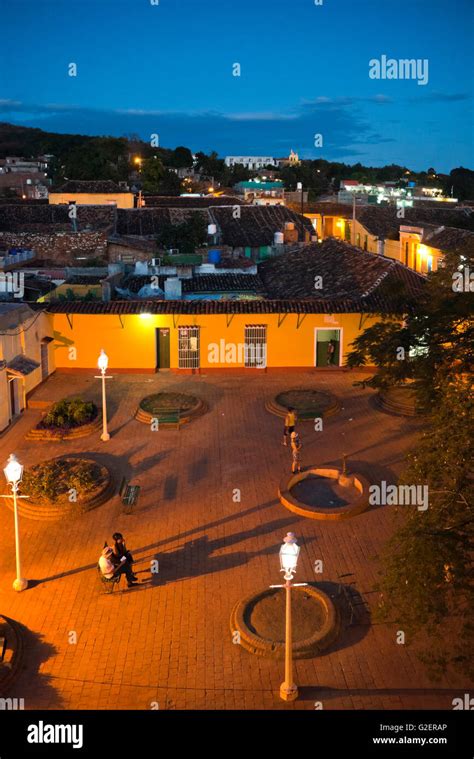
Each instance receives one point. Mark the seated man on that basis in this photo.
(108, 568)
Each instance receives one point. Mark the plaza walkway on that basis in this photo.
(169, 641)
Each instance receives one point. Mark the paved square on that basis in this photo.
(169, 643)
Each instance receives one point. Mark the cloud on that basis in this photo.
(440, 97)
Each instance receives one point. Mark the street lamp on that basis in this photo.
(13, 473)
(299, 186)
(103, 363)
(289, 553)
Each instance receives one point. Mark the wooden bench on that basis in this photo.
(168, 417)
(129, 494)
(108, 582)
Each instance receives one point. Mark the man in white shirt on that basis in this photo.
(108, 569)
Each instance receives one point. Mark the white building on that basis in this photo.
(250, 162)
(26, 356)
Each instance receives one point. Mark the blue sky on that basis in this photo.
(167, 69)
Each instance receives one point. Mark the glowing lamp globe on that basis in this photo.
(289, 553)
(13, 470)
(103, 361)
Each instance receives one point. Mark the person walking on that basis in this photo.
(295, 452)
(290, 422)
(109, 569)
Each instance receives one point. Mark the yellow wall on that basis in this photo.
(133, 346)
(121, 199)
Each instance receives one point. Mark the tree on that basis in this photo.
(170, 184)
(186, 237)
(436, 334)
(427, 582)
(461, 182)
(181, 158)
(151, 174)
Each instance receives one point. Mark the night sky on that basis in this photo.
(167, 69)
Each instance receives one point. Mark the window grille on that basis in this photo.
(188, 348)
(256, 346)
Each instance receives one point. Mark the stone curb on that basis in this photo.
(84, 430)
(146, 417)
(335, 406)
(336, 514)
(303, 649)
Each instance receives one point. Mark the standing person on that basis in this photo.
(290, 421)
(295, 452)
(331, 351)
(109, 569)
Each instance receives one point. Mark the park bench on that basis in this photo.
(108, 582)
(3, 645)
(129, 494)
(168, 417)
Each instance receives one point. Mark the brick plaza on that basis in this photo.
(168, 642)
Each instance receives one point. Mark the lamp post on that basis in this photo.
(103, 363)
(299, 186)
(289, 553)
(13, 473)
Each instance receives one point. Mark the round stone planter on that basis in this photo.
(355, 485)
(61, 509)
(47, 435)
(318, 404)
(197, 408)
(13, 656)
(315, 622)
(399, 400)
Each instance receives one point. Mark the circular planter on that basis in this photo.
(10, 666)
(47, 434)
(399, 400)
(308, 403)
(190, 407)
(359, 486)
(315, 622)
(62, 508)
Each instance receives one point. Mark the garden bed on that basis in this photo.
(48, 486)
(308, 403)
(260, 621)
(399, 400)
(186, 407)
(67, 419)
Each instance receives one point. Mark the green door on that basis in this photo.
(162, 348)
(325, 357)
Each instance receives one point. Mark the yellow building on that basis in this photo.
(26, 356)
(316, 296)
(86, 193)
(419, 245)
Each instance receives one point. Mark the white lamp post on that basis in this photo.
(289, 553)
(103, 363)
(13, 473)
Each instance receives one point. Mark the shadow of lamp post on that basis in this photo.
(14, 473)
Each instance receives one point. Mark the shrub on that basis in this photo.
(52, 479)
(69, 413)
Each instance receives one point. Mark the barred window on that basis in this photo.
(256, 346)
(188, 347)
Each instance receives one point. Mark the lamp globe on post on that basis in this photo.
(13, 474)
(289, 553)
(103, 363)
